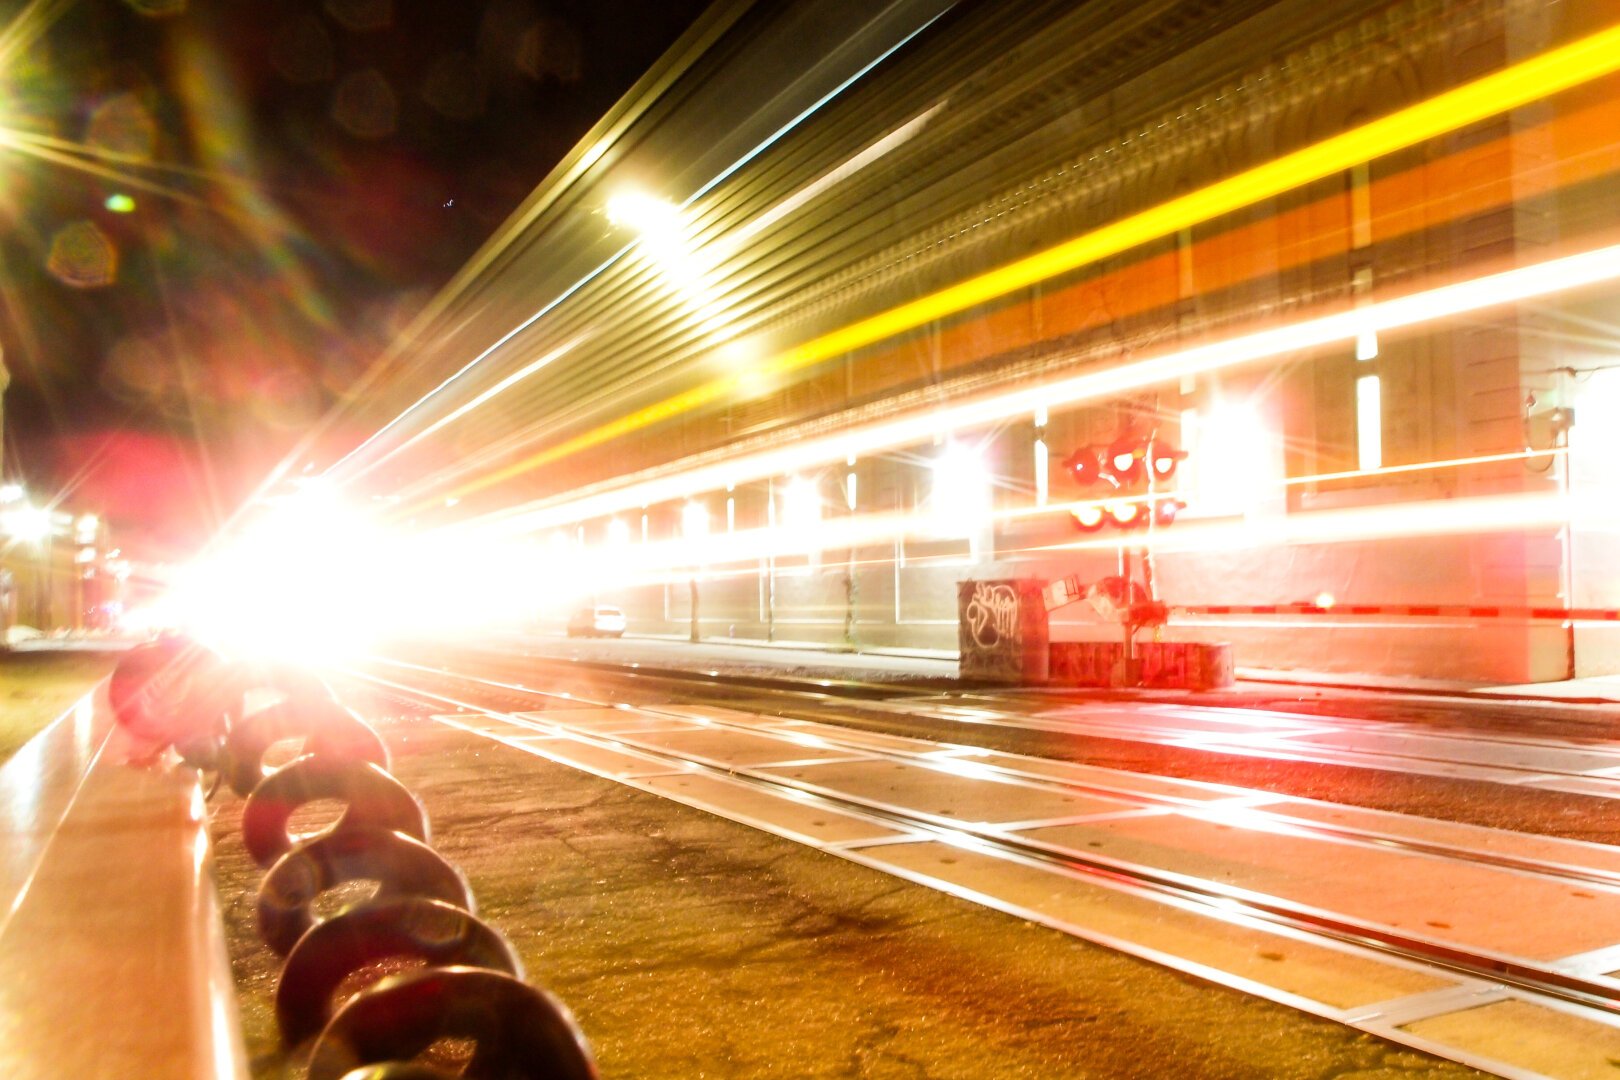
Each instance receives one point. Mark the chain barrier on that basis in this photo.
(470, 987)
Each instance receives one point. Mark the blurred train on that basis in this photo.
(843, 304)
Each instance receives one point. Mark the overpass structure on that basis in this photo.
(812, 326)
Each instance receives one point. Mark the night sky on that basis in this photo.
(298, 177)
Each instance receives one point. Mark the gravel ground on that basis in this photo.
(690, 946)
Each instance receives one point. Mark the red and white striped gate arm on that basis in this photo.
(1455, 611)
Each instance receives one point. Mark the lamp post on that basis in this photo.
(695, 526)
(770, 560)
(850, 584)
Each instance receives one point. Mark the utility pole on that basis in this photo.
(692, 586)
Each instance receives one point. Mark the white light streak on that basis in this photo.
(1447, 301)
(837, 174)
(501, 387)
(1442, 517)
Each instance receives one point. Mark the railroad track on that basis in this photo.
(1453, 975)
(1588, 768)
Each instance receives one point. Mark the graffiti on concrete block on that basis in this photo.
(1002, 630)
(992, 615)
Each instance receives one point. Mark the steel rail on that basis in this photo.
(1285, 824)
(990, 715)
(1217, 900)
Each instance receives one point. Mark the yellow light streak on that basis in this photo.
(44, 150)
(88, 152)
(1602, 264)
(27, 27)
(1531, 80)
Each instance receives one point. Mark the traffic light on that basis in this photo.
(1165, 510)
(1090, 517)
(1089, 469)
(1125, 458)
(1128, 515)
(1164, 460)
(1113, 473)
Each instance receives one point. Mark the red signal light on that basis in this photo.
(1164, 460)
(1089, 518)
(1129, 515)
(1123, 465)
(1125, 459)
(1087, 467)
(1165, 511)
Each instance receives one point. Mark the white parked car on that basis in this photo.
(599, 621)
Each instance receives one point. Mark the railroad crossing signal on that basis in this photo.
(1117, 472)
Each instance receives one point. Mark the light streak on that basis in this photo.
(590, 158)
(45, 150)
(1531, 80)
(1540, 279)
(1440, 517)
(28, 26)
(1291, 481)
(507, 383)
(836, 175)
(817, 105)
(399, 418)
(740, 554)
(577, 574)
(1426, 466)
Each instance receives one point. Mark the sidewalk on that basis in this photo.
(813, 659)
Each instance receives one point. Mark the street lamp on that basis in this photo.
(801, 512)
(660, 232)
(960, 502)
(28, 524)
(31, 526)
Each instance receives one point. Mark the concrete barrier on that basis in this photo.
(112, 955)
(1179, 665)
(1002, 630)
